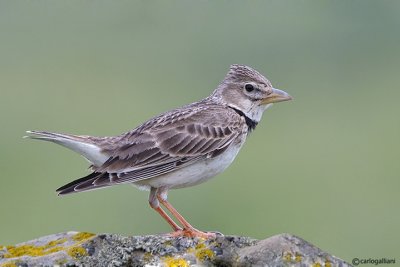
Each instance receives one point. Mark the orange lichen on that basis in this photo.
(203, 253)
(53, 246)
(82, 236)
(147, 256)
(173, 262)
(297, 257)
(287, 257)
(54, 250)
(200, 246)
(9, 264)
(30, 250)
(56, 242)
(24, 250)
(77, 252)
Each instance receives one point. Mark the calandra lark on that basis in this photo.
(176, 149)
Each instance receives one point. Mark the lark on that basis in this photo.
(176, 149)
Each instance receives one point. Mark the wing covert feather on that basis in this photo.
(162, 145)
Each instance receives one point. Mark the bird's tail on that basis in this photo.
(83, 145)
(92, 181)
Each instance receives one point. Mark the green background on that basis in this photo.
(324, 166)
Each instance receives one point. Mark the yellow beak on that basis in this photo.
(276, 96)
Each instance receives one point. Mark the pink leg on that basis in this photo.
(188, 229)
(156, 206)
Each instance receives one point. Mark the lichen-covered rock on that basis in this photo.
(85, 249)
(58, 249)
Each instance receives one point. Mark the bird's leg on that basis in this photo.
(188, 229)
(155, 204)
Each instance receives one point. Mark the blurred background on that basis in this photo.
(324, 166)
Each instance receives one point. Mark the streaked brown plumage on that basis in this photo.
(179, 148)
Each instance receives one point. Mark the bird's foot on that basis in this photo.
(192, 232)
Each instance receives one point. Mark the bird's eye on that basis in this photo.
(249, 87)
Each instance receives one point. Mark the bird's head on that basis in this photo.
(248, 91)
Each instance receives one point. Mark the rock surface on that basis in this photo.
(85, 249)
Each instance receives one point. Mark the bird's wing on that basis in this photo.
(165, 144)
(176, 141)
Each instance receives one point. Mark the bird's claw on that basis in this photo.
(193, 233)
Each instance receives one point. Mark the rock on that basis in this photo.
(85, 249)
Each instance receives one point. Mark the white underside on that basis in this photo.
(194, 174)
(89, 151)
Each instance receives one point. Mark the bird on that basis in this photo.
(179, 148)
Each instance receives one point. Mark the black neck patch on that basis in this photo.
(251, 124)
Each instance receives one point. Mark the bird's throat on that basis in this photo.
(251, 124)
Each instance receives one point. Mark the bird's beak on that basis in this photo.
(276, 96)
